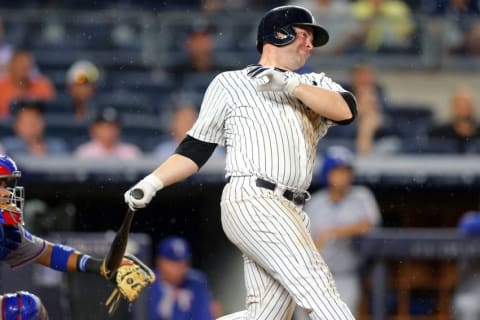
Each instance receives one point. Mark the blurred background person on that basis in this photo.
(180, 291)
(371, 104)
(199, 47)
(462, 129)
(6, 50)
(465, 300)
(20, 83)
(30, 138)
(183, 118)
(338, 213)
(105, 139)
(387, 26)
(363, 76)
(81, 79)
(369, 120)
(459, 24)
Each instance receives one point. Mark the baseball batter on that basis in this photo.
(270, 119)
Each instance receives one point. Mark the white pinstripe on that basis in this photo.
(282, 265)
(273, 136)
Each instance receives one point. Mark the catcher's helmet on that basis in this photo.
(8, 168)
(335, 156)
(276, 27)
(11, 195)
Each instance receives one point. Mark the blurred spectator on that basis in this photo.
(370, 105)
(363, 76)
(200, 48)
(337, 15)
(369, 121)
(29, 128)
(461, 27)
(81, 79)
(467, 295)
(463, 129)
(105, 131)
(183, 118)
(20, 83)
(6, 50)
(180, 291)
(386, 25)
(337, 214)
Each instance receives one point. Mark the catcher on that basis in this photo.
(18, 247)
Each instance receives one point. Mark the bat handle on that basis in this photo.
(137, 193)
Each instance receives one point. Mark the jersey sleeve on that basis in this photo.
(30, 249)
(325, 82)
(209, 126)
(322, 81)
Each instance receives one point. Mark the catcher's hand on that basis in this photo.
(130, 280)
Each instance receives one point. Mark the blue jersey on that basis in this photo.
(189, 301)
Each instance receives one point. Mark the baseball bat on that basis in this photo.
(119, 243)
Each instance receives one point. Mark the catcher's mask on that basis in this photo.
(11, 195)
(276, 27)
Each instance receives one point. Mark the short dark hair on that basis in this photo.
(17, 106)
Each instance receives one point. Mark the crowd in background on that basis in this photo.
(70, 99)
(93, 108)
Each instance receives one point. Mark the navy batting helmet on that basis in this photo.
(335, 156)
(276, 26)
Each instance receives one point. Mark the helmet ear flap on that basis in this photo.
(284, 35)
(280, 36)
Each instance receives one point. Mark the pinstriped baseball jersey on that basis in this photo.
(269, 135)
(272, 136)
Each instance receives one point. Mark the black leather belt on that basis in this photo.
(299, 198)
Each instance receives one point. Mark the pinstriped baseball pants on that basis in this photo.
(282, 264)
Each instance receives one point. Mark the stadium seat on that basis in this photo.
(126, 101)
(407, 120)
(423, 145)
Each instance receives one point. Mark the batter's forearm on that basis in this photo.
(327, 103)
(175, 169)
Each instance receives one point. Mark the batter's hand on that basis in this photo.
(149, 186)
(276, 80)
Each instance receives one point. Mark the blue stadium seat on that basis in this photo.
(407, 120)
(425, 145)
(64, 126)
(327, 142)
(126, 101)
(144, 131)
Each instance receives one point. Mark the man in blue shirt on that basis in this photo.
(180, 292)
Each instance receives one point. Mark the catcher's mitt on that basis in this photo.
(130, 280)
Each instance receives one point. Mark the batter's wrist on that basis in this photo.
(154, 181)
(292, 84)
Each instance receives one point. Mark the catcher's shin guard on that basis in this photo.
(22, 305)
(130, 280)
